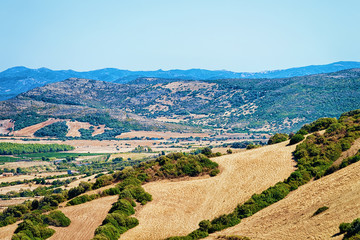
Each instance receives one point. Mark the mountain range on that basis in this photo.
(16, 80)
(233, 105)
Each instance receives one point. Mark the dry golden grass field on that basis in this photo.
(178, 206)
(292, 217)
(7, 231)
(85, 218)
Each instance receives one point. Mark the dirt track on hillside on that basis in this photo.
(178, 207)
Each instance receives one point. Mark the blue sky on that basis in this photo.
(236, 35)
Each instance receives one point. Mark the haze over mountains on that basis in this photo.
(14, 81)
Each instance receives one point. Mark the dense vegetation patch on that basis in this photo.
(57, 129)
(35, 225)
(351, 230)
(277, 138)
(26, 119)
(314, 156)
(19, 148)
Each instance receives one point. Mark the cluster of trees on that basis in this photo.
(26, 119)
(181, 164)
(142, 149)
(19, 148)
(118, 219)
(277, 138)
(49, 202)
(35, 225)
(57, 129)
(314, 156)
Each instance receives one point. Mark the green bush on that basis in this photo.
(296, 138)
(57, 219)
(351, 230)
(214, 172)
(320, 210)
(277, 138)
(82, 199)
(34, 226)
(123, 206)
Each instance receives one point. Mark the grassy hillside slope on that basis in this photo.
(177, 207)
(292, 218)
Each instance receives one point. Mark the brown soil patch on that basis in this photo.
(85, 218)
(165, 135)
(29, 131)
(75, 126)
(7, 231)
(178, 207)
(292, 217)
(5, 125)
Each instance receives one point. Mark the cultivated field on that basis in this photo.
(29, 131)
(292, 217)
(18, 187)
(30, 176)
(178, 207)
(23, 164)
(75, 126)
(85, 218)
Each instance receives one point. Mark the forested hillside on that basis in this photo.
(231, 104)
(16, 80)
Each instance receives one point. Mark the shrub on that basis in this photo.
(82, 199)
(320, 210)
(351, 230)
(214, 172)
(344, 227)
(277, 138)
(296, 138)
(123, 206)
(57, 219)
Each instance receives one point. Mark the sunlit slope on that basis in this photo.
(179, 206)
(85, 218)
(292, 217)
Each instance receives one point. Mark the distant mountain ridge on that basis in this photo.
(280, 104)
(16, 80)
